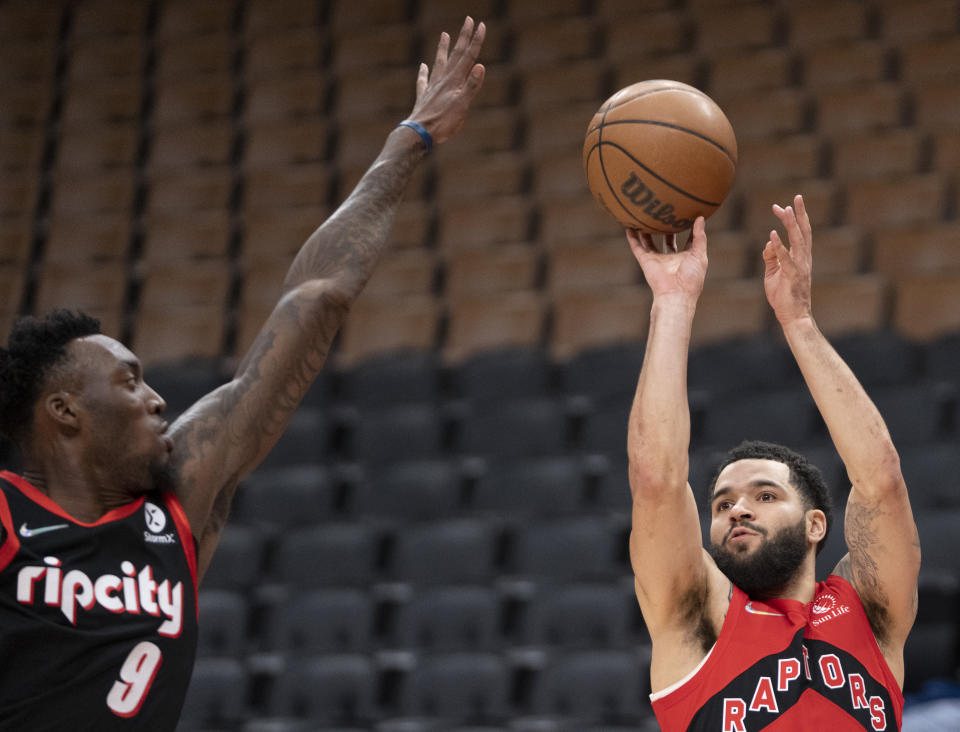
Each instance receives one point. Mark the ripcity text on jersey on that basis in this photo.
(784, 665)
(98, 622)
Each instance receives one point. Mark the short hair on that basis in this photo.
(805, 476)
(35, 347)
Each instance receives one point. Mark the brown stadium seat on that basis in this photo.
(916, 199)
(729, 309)
(364, 49)
(288, 141)
(210, 53)
(493, 174)
(101, 57)
(88, 237)
(110, 191)
(931, 61)
(280, 51)
(186, 235)
(590, 319)
(18, 194)
(575, 219)
(195, 97)
(855, 64)
(591, 266)
(839, 250)
(737, 72)
(185, 189)
(824, 23)
(937, 107)
(15, 239)
(685, 67)
(908, 20)
(25, 18)
(181, 282)
(872, 155)
(568, 82)
(175, 332)
(89, 149)
(505, 268)
(860, 109)
(819, 197)
(851, 303)
(184, 18)
(103, 101)
(748, 26)
(779, 159)
(287, 186)
(200, 144)
(787, 112)
(404, 272)
(28, 59)
(490, 321)
(501, 220)
(554, 41)
(377, 326)
(934, 249)
(20, 149)
(286, 15)
(296, 94)
(927, 306)
(633, 35)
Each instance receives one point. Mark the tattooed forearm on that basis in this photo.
(861, 540)
(346, 248)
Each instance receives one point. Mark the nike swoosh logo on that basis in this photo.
(27, 533)
(749, 608)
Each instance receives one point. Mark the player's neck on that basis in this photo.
(78, 489)
(801, 587)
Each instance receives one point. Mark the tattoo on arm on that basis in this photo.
(861, 537)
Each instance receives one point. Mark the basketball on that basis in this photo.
(659, 153)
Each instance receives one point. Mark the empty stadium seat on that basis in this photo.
(238, 561)
(493, 321)
(217, 697)
(521, 427)
(410, 490)
(596, 686)
(579, 615)
(331, 620)
(880, 358)
(787, 417)
(459, 688)
(397, 378)
(530, 487)
(183, 383)
(400, 432)
(223, 623)
(448, 619)
(457, 551)
(568, 549)
(330, 555)
(284, 497)
(334, 689)
(603, 372)
(502, 374)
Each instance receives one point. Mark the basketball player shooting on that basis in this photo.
(744, 637)
(106, 535)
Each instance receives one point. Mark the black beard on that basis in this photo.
(771, 566)
(163, 476)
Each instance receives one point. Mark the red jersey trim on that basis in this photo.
(44, 501)
(11, 545)
(186, 538)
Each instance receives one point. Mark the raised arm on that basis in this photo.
(666, 549)
(884, 549)
(227, 433)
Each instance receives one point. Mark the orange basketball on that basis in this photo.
(659, 153)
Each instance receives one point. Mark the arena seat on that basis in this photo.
(181, 18)
(275, 51)
(925, 306)
(743, 71)
(568, 549)
(280, 498)
(453, 551)
(217, 695)
(223, 623)
(931, 470)
(594, 686)
(411, 271)
(450, 619)
(905, 200)
(914, 412)
(603, 372)
(478, 271)
(337, 554)
(881, 155)
(513, 428)
(502, 374)
(530, 487)
(196, 97)
(88, 239)
(579, 615)
(379, 434)
(400, 377)
(861, 109)
(209, 52)
(410, 490)
(851, 304)
(746, 364)
(598, 319)
(493, 321)
(880, 359)
(459, 688)
(270, 15)
(239, 560)
(335, 689)
(787, 416)
(331, 620)
(202, 144)
(178, 235)
(183, 383)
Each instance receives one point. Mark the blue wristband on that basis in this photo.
(420, 130)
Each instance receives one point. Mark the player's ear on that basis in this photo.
(62, 409)
(816, 525)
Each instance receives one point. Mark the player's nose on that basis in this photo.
(741, 510)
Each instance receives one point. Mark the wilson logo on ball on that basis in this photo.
(659, 153)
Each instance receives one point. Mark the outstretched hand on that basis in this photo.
(787, 276)
(444, 93)
(672, 272)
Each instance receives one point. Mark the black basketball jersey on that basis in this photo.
(98, 622)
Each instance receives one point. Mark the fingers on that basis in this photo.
(789, 217)
(803, 219)
(698, 237)
(776, 252)
(443, 50)
(423, 76)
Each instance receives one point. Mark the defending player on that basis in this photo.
(744, 638)
(110, 529)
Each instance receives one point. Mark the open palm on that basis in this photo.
(672, 272)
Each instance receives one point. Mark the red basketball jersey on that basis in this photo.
(785, 665)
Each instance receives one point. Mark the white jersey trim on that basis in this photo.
(673, 687)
